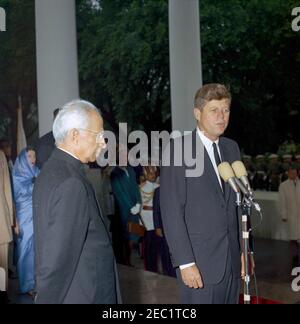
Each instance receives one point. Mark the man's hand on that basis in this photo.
(191, 277)
(159, 232)
(135, 209)
(251, 265)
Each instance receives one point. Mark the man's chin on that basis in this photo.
(92, 159)
(220, 131)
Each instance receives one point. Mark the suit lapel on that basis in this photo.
(209, 169)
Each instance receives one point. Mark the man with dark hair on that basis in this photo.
(45, 146)
(199, 213)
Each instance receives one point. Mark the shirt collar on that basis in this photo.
(208, 143)
(75, 157)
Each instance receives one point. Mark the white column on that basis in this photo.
(185, 61)
(2, 20)
(56, 51)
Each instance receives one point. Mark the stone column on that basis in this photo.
(185, 61)
(56, 51)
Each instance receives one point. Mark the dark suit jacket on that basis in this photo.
(200, 223)
(73, 254)
(156, 209)
(44, 148)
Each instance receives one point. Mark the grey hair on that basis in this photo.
(74, 114)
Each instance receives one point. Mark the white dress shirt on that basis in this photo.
(208, 144)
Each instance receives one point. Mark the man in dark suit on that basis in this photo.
(45, 146)
(73, 252)
(199, 213)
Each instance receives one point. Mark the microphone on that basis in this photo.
(243, 183)
(242, 174)
(227, 175)
(243, 189)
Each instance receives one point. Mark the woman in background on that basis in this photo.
(24, 175)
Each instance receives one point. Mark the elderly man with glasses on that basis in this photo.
(74, 262)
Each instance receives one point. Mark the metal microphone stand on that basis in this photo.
(245, 207)
(246, 213)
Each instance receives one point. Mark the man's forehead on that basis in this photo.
(96, 119)
(223, 103)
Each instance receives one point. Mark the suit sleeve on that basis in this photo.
(172, 201)
(63, 241)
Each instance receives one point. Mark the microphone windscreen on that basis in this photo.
(239, 169)
(225, 171)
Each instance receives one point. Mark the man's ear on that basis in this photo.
(74, 135)
(197, 114)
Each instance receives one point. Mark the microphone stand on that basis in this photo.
(245, 207)
(240, 186)
(246, 213)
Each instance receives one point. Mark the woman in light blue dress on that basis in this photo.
(24, 174)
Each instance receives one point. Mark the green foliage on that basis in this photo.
(17, 66)
(125, 61)
(250, 46)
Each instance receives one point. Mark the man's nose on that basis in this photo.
(221, 115)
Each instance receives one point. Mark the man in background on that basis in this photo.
(45, 146)
(289, 206)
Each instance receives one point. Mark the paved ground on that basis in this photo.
(274, 264)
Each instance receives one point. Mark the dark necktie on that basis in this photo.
(218, 161)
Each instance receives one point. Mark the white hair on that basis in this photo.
(74, 114)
